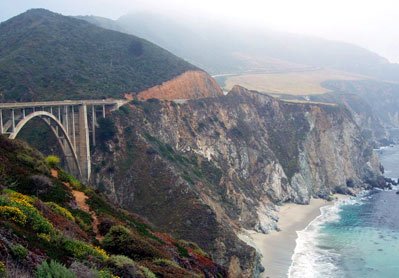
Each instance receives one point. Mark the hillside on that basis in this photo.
(48, 218)
(47, 56)
(224, 48)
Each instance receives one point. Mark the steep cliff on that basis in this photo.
(383, 97)
(189, 85)
(206, 168)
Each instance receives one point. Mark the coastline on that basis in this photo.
(277, 247)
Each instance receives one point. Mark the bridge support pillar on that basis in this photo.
(1, 121)
(84, 143)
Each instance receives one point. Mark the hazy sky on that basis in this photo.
(371, 24)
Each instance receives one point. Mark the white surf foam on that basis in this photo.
(310, 260)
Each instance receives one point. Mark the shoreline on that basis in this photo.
(277, 247)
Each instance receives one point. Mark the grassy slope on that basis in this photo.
(294, 83)
(48, 56)
(67, 234)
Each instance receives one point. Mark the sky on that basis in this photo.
(368, 23)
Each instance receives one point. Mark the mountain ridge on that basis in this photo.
(217, 45)
(48, 56)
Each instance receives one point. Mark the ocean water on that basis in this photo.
(355, 238)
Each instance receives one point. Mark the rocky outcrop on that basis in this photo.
(189, 85)
(374, 105)
(206, 168)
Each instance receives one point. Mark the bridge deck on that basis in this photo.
(12, 105)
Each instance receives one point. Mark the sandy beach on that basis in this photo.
(277, 248)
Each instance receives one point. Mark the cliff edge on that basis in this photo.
(207, 168)
(188, 85)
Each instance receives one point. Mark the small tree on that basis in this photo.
(53, 161)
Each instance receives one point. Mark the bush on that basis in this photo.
(34, 219)
(119, 240)
(81, 250)
(61, 211)
(120, 260)
(104, 226)
(2, 270)
(53, 270)
(13, 214)
(19, 252)
(41, 184)
(105, 274)
(122, 266)
(81, 270)
(52, 161)
(147, 273)
(165, 262)
(83, 219)
(68, 178)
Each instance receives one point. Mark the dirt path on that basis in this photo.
(81, 198)
(81, 201)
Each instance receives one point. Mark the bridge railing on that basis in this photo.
(72, 117)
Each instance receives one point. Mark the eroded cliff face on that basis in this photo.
(205, 169)
(377, 100)
(189, 85)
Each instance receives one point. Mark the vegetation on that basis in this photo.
(106, 130)
(35, 224)
(73, 59)
(53, 270)
(53, 161)
(119, 240)
(18, 251)
(81, 250)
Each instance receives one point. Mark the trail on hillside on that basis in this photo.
(81, 198)
(81, 201)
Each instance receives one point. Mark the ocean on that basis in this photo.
(354, 238)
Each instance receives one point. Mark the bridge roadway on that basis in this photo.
(68, 120)
(96, 102)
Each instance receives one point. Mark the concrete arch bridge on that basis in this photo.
(73, 123)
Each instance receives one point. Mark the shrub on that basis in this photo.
(119, 240)
(193, 246)
(165, 262)
(104, 226)
(83, 219)
(52, 161)
(13, 214)
(41, 184)
(122, 266)
(81, 250)
(61, 211)
(106, 274)
(18, 251)
(53, 270)
(44, 237)
(68, 178)
(34, 219)
(147, 273)
(183, 252)
(120, 260)
(81, 270)
(2, 269)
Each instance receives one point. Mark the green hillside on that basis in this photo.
(50, 223)
(48, 56)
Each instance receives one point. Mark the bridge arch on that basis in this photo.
(47, 118)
